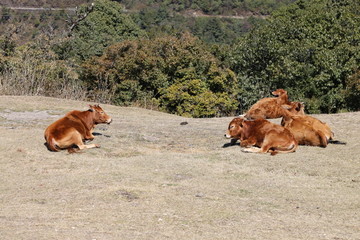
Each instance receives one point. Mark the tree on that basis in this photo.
(352, 91)
(104, 24)
(309, 48)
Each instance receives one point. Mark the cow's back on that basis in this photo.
(259, 128)
(264, 108)
(61, 127)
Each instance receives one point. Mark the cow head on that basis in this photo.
(99, 115)
(235, 128)
(293, 108)
(279, 92)
(296, 108)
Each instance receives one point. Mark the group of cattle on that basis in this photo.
(256, 134)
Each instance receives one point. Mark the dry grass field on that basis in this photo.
(155, 178)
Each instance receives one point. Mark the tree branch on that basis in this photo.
(80, 17)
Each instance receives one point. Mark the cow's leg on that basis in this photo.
(248, 142)
(249, 145)
(252, 150)
(89, 135)
(268, 142)
(83, 146)
(89, 138)
(274, 143)
(78, 141)
(265, 148)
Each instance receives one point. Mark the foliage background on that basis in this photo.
(178, 57)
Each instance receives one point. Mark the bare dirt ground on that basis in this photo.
(154, 178)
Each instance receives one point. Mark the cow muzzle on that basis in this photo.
(227, 136)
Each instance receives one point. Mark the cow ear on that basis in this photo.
(91, 108)
(299, 106)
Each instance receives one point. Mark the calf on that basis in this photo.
(304, 132)
(267, 136)
(296, 114)
(268, 107)
(74, 128)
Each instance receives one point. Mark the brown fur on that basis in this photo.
(74, 128)
(269, 137)
(269, 107)
(296, 120)
(296, 108)
(304, 132)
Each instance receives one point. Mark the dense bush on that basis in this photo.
(177, 73)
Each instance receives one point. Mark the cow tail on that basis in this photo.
(273, 152)
(51, 144)
(73, 149)
(323, 139)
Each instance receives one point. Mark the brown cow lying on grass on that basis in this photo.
(269, 107)
(267, 136)
(74, 128)
(307, 130)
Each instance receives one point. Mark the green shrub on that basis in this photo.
(178, 73)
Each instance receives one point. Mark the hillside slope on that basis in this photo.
(156, 179)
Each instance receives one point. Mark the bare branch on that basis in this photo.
(79, 17)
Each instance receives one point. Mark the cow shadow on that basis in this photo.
(100, 134)
(233, 142)
(337, 142)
